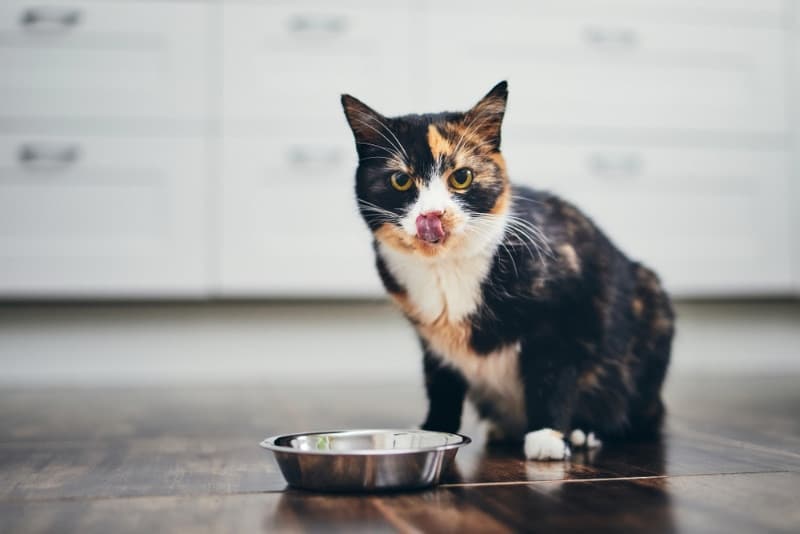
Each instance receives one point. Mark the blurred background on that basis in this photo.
(176, 177)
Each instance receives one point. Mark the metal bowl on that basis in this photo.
(364, 460)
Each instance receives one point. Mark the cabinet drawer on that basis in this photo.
(613, 70)
(90, 217)
(289, 220)
(710, 220)
(84, 59)
(714, 12)
(287, 60)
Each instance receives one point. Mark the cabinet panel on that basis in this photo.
(289, 220)
(710, 220)
(715, 12)
(93, 217)
(283, 61)
(614, 70)
(83, 59)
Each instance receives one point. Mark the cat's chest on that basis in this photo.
(446, 290)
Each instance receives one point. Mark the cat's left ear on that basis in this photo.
(486, 117)
(365, 122)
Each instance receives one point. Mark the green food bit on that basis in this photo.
(324, 443)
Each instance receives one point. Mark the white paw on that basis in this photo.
(579, 438)
(592, 442)
(546, 444)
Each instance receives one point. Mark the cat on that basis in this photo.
(521, 303)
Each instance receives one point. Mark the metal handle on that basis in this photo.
(607, 165)
(610, 38)
(50, 18)
(318, 24)
(45, 155)
(307, 156)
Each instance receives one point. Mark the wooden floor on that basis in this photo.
(187, 460)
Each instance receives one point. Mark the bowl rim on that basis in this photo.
(270, 443)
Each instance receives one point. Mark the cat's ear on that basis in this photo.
(365, 122)
(486, 117)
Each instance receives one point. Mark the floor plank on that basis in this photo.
(765, 502)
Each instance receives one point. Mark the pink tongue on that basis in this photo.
(429, 227)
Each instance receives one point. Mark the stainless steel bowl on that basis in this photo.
(364, 460)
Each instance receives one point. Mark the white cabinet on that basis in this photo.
(286, 63)
(794, 89)
(65, 59)
(718, 12)
(290, 225)
(612, 68)
(198, 147)
(710, 220)
(83, 216)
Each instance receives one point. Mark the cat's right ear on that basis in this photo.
(486, 117)
(365, 122)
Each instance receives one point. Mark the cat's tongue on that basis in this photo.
(429, 227)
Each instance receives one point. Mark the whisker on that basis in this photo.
(390, 152)
(397, 146)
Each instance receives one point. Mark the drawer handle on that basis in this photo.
(309, 24)
(606, 165)
(304, 156)
(610, 38)
(41, 155)
(50, 18)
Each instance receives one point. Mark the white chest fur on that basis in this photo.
(448, 288)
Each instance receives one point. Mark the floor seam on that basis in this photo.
(610, 479)
(374, 494)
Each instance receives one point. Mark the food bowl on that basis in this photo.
(364, 460)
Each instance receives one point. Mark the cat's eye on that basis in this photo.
(461, 178)
(401, 181)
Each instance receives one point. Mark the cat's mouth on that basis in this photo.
(430, 228)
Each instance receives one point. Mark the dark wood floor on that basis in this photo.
(187, 460)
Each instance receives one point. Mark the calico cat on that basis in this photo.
(521, 303)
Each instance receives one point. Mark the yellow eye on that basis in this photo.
(401, 181)
(461, 178)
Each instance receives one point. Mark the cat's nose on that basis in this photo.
(429, 226)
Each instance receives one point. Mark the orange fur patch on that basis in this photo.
(448, 339)
(440, 146)
(500, 161)
(502, 203)
(637, 306)
(570, 257)
(591, 379)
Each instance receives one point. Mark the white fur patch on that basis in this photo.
(546, 444)
(450, 281)
(434, 197)
(433, 286)
(592, 442)
(579, 438)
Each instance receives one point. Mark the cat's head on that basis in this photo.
(432, 184)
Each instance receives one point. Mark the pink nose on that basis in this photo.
(429, 226)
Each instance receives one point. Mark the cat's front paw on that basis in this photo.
(546, 444)
(579, 438)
